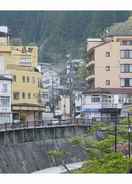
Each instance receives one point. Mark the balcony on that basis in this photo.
(92, 62)
(111, 105)
(101, 105)
(90, 77)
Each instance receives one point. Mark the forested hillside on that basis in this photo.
(59, 32)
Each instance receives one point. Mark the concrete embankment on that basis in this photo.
(31, 154)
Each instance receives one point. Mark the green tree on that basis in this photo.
(56, 155)
(109, 163)
(101, 155)
(82, 72)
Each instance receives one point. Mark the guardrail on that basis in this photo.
(58, 123)
(44, 124)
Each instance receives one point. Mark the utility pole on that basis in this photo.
(116, 117)
(52, 97)
(70, 85)
(115, 135)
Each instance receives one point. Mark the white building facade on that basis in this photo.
(105, 103)
(5, 99)
(51, 86)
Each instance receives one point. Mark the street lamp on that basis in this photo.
(129, 143)
(129, 136)
(115, 135)
(115, 127)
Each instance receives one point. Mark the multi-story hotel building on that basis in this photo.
(110, 62)
(109, 77)
(21, 62)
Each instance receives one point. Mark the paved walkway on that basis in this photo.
(60, 169)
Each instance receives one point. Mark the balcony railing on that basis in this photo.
(100, 105)
(90, 63)
(90, 76)
(44, 124)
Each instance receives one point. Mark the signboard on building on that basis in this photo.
(89, 110)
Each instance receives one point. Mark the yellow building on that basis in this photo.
(21, 62)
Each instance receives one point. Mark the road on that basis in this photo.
(60, 169)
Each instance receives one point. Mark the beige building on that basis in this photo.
(110, 62)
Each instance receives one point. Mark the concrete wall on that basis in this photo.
(25, 151)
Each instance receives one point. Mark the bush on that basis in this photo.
(110, 163)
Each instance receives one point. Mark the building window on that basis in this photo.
(130, 82)
(126, 42)
(38, 83)
(23, 78)
(107, 68)
(95, 99)
(34, 95)
(3, 87)
(24, 50)
(29, 95)
(107, 82)
(107, 54)
(127, 82)
(126, 54)
(106, 99)
(30, 49)
(27, 78)
(126, 68)
(33, 80)
(16, 95)
(122, 82)
(14, 78)
(4, 101)
(23, 95)
(26, 61)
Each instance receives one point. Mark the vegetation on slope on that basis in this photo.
(59, 32)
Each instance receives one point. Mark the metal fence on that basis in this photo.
(44, 124)
(59, 123)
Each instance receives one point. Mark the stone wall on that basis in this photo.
(25, 151)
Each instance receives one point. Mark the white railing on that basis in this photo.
(102, 105)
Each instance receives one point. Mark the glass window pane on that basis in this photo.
(122, 82)
(122, 55)
(130, 82)
(130, 54)
(126, 68)
(121, 68)
(130, 68)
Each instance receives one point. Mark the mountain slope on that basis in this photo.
(59, 32)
